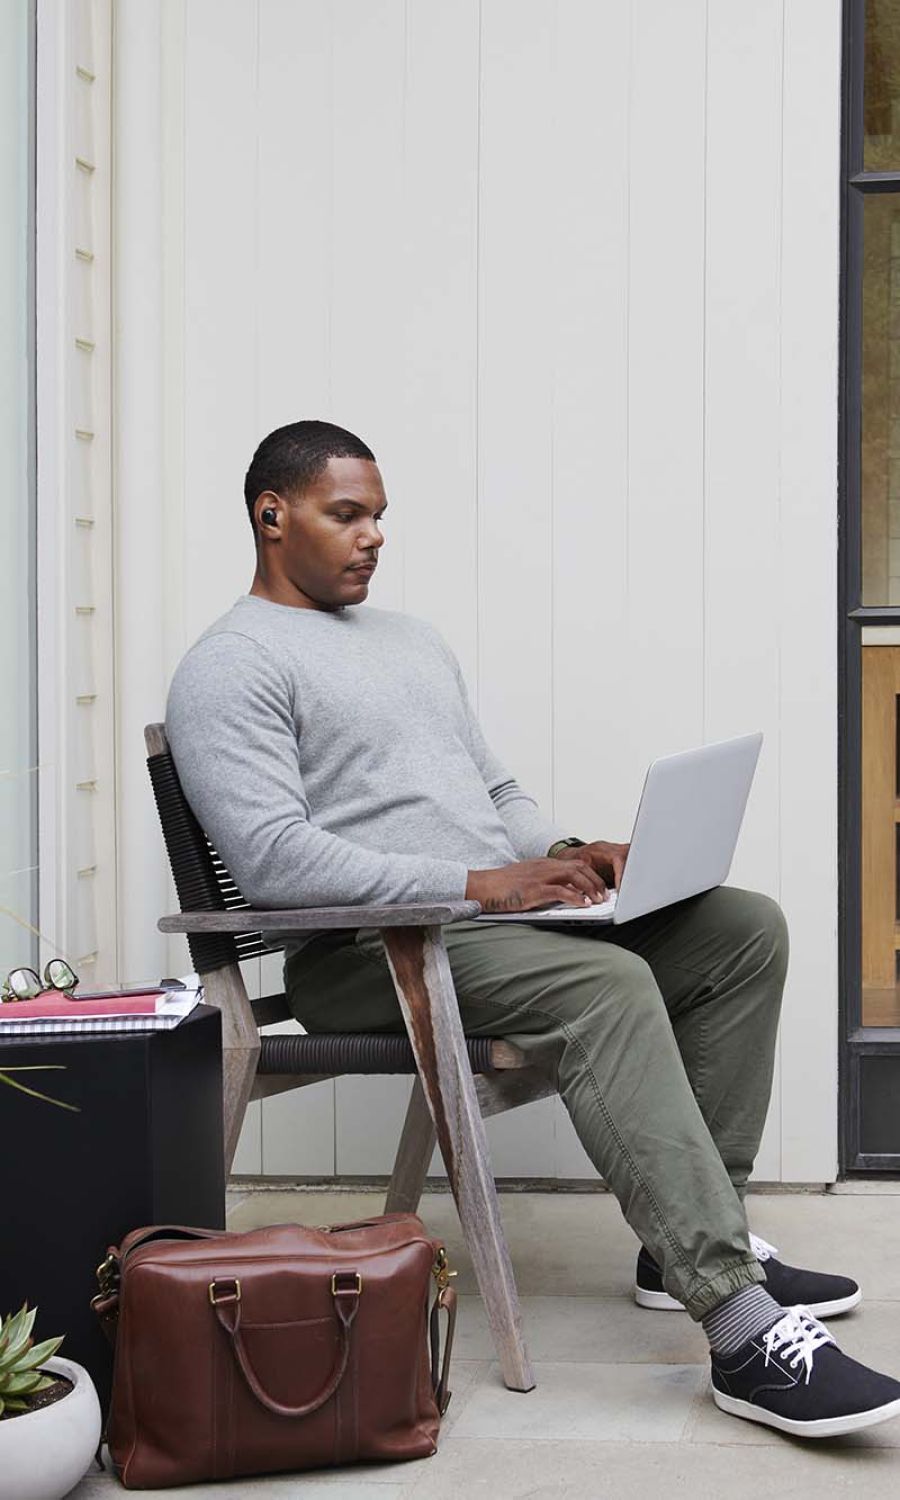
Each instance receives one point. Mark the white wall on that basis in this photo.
(571, 269)
(18, 755)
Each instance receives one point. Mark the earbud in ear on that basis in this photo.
(269, 516)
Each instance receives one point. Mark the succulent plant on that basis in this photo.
(20, 1358)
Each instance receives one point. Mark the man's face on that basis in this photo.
(329, 532)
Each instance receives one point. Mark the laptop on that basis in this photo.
(684, 835)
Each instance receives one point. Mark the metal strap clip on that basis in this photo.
(441, 1270)
(234, 1296)
(346, 1291)
(108, 1275)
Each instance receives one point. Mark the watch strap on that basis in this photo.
(570, 843)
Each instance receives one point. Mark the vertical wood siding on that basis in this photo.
(571, 269)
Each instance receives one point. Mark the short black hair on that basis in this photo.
(292, 458)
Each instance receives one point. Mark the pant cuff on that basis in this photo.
(706, 1295)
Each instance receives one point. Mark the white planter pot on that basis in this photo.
(44, 1453)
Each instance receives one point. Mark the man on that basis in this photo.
(330, 752)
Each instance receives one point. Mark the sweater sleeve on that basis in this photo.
(231, 730)
(530, 833)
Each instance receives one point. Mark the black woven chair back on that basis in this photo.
(201, 879)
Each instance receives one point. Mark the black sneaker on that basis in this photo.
(795, 1378)
(823, 1295)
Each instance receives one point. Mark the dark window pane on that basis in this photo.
(881, 96)
(879, 1105)
(880, 456)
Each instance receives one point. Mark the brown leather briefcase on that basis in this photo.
(279, 1348)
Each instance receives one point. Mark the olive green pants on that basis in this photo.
(663, 1031)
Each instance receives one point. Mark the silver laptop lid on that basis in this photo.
(687, 824)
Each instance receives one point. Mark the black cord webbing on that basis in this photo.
(201, 880)
(353, 1053)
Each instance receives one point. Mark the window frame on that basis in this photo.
(857, 1041)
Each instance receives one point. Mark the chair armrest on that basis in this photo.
(244, 919)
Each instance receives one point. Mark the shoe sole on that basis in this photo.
(658, 1301)
(823, 1428)
(662, 1302)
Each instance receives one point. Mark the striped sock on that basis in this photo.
(739, 1317)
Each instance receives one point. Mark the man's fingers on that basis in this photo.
(577, 896)
(580, 875)
(579, 872)
(578, 881)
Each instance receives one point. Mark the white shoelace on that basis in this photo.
(795, 1339)
(761, 1248)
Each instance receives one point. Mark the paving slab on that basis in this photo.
(575, 1243)
(533, 1470)
(871, 1333)
(271, 1206)
(340, 1486)
(608, 1330)
(854, 1236)
(579, 1243)
(576, 1402)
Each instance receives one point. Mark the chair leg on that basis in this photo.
(413, 1155)
(421, 973)
(225, 989)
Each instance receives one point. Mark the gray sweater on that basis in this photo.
(334, 759)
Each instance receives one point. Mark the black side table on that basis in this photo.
(145, 1147)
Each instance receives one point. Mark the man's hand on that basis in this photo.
(607, 860)
(536, 882)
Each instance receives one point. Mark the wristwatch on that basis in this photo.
(564, 844)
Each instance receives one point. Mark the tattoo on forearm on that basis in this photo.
(512, 902)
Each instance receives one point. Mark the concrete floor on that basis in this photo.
(622, 1407)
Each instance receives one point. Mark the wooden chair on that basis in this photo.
(460, 1080)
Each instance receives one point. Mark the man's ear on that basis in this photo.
(267, 514)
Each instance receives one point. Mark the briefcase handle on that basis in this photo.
(346, 1287)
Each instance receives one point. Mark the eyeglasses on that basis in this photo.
(24, 984)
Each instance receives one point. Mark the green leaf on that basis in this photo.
(15, 1321)
(10, 1360)
(21, 1385)
(39, 1353)
(35, 1094)
(44, 1382)
(36, 1068)
(15, 1404)
(3, 1406)
(18, 1344)
(19, 1337)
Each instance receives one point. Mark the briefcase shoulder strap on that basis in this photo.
(445, 1301)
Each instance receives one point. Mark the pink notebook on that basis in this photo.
(51, 1005)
